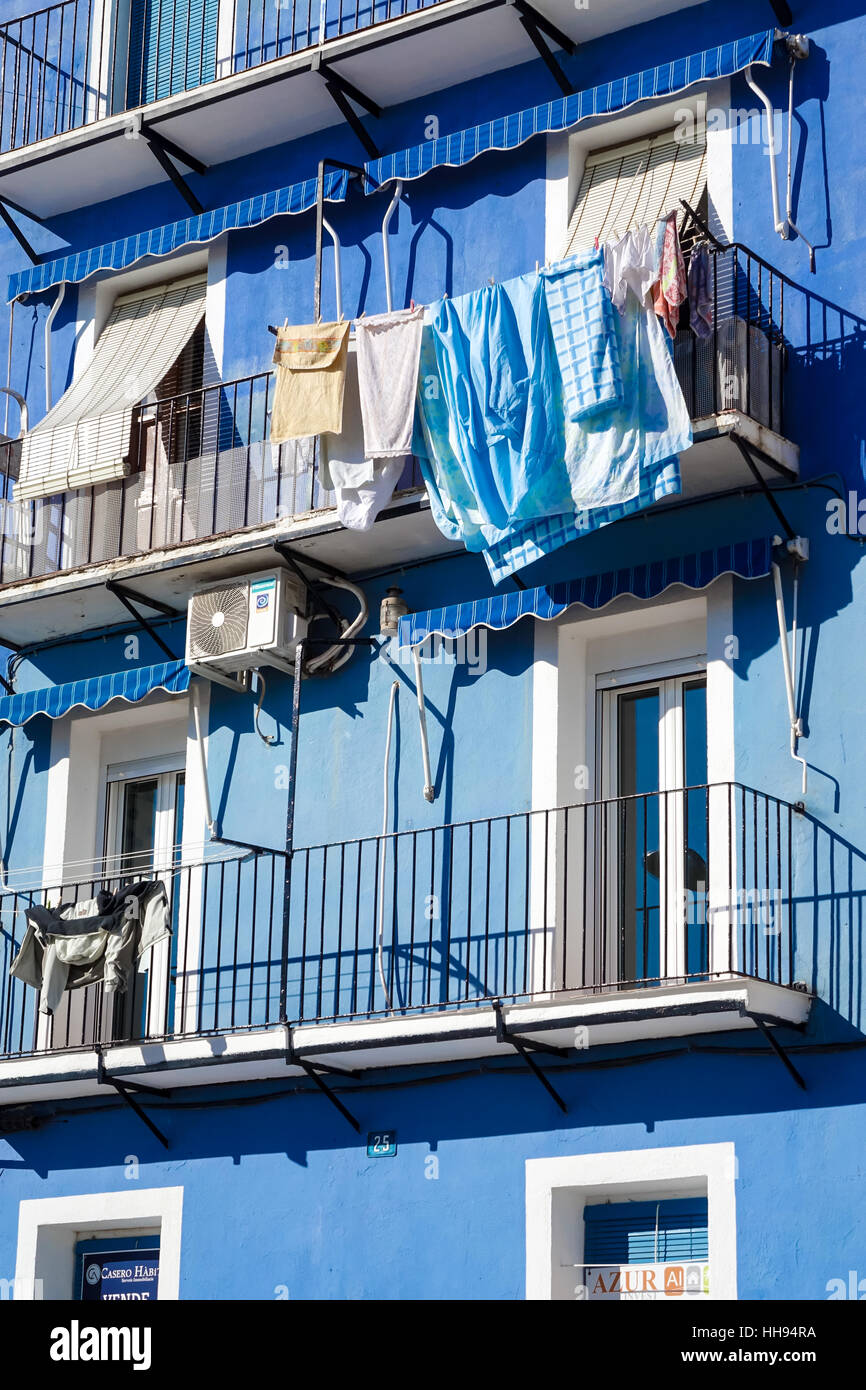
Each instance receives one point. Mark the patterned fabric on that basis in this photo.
(311, 380)
(507, 132)
(584, 334)
(747, 559)
(161, 241)
(700, 293)
(541, 538)
(671, 288)
(94, 692)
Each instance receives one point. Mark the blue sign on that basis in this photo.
(382, 1143)
(131, 1275)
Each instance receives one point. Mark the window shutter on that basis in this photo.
(85, 438)
(633, 184)
(623, 1233)
(172, 47)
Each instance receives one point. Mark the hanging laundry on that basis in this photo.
(630, 264)
(626, 456)
(363, 486)
(671, 288)
(388, 348)
(311, 376)
(700, 292)
(490, 417)
(582, 320)
(90, 942)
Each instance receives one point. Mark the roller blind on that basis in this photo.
(633, 184)
(623, 1233)
(85, 438)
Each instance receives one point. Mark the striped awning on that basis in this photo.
(507, 132)
(95, 692)
(747, 559)
(162, 241)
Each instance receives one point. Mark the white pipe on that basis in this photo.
(780, 226)
(49, 324)
(23, 418)
(386, 253)
(343, 654)
(796, 725)
(196, 715)
(788, 209)
(429, 789)
(386, 808)
(338, 274)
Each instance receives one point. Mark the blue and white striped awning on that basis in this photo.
(507, 132)
(162, 241)
(94, 693)
(748, 559)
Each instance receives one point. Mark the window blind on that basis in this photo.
(623, 1233)
(633, 184)
(85, 438)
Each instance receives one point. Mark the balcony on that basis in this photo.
(221, 79)
(655, 915)
(206, 490)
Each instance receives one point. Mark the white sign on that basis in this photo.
(609, 1283)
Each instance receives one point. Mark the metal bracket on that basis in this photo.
(537, 26)
(314, 1073)
(778, 1049)
(127, 595)
(124, 1089)
(5, 214)
(161, 151)
(524, 1048)
(342, 91)
(764, 486)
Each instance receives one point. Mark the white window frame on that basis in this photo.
(50, 1227)
(558, 1189)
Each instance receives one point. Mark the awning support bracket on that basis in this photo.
(160, 153)
(129, 597)
(124, 1089)
(5, 214)
(764, 486)
(342, 92)
(174, 151)
(538, 26)
(314, 1073)
(778, 1049)
(524, 1048)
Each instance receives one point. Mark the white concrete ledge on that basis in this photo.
(564, 1021)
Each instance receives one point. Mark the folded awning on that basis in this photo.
(162, 241)
(94, 693)
(507, 132)
(85, 438)
(747, 559)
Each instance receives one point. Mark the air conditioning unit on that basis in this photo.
(244, 623)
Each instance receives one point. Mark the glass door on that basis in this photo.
(654, 829)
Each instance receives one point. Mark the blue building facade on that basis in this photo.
(580, 1013)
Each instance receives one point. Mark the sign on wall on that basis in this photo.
(686, 1281)
(120, 1274)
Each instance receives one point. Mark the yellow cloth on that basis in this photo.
(311, 378)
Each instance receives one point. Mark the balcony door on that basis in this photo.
(172, 48)
(143, 825)
(652, 829)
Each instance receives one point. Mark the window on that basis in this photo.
(626, 1206)
(637, 1250)
(625, 186)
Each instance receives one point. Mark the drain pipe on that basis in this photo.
(780, 225)
(212, 827)
(429, 789)
(386, 253)
(49, 324)
(386, 808)
(798, 47)
(800, 551)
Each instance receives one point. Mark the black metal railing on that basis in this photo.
(67, 65)
(200, 465)
(623, 893)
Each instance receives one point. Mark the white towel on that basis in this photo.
(363, 485)
(389, 350)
